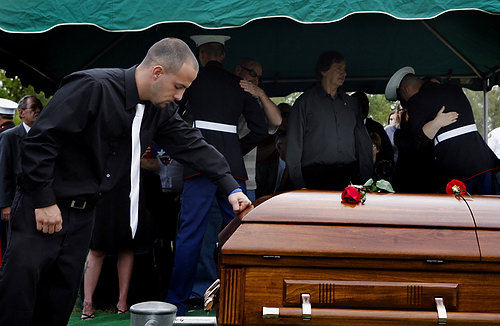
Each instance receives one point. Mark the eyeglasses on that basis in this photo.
(251, 72)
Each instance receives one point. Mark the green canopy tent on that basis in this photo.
(42, 41)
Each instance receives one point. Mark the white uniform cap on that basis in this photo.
(202, 39)
(393, 84)
(7, 106)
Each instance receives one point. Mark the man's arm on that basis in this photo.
(270, 109)
(66, 114)
(295, 142)
(187, 146)
(364, 149)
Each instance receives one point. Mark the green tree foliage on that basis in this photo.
(12, 89)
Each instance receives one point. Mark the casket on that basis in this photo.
(305, 258)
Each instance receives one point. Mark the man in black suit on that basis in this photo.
(10, 158)
(10, 153)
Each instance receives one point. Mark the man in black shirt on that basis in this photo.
(328, 145)
(90, 136)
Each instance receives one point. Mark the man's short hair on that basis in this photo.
(409, 80)
(325, 61)
(212, 49)
(23, 103)
(171, 53)
(246, 61)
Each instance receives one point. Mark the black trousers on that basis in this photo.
(41, 272)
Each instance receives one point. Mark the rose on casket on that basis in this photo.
(456, 187)
(354, 194)
(351, 195)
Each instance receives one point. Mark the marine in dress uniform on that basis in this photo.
(215, 101)
(460, 151)
(89, 137)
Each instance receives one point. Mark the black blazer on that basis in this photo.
(216, 96)
(10, 163)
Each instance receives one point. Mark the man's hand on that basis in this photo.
(445, 119)
(6, 213)
(239, 201)
(432, 127)
(251, 88)
(48, 219)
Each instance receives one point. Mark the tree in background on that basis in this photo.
(12, 89)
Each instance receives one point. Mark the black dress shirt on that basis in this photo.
(327, 131)
(80, 145)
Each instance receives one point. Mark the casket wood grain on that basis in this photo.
(381, 263)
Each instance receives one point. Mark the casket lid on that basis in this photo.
(388, 226)
(325, 207)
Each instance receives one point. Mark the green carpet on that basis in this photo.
(111, 319)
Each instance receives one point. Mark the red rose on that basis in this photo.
(455, 187)
(351, 195)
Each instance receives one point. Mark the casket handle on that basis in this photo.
(306, 306)
(441, 310)
(378, 316)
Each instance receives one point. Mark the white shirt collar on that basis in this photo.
(26, 127)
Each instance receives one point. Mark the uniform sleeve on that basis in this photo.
(295, 142)
(65, 115)
(256, 122)
(6, 172)
(187, 146)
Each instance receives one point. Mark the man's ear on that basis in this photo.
(157, 71)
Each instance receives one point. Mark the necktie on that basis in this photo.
(135, 170)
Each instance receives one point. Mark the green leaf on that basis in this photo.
(368, 183)
(384, 185)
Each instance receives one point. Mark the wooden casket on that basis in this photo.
(305, 258)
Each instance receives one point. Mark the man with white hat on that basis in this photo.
(7, 109)
(441, 114)
(215, 101)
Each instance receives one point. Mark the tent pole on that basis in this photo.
(29, 66)
(485, 109)
(103, 52)
(454, 50)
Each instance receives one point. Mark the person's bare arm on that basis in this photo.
(432, 127)
(270, 109)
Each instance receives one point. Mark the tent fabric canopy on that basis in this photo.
(136, 15)
(42, 41)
